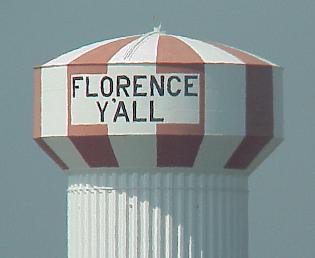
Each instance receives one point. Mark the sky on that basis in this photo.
(32, 187)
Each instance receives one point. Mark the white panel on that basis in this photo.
(142, 50)
(182, 108)
(54, 108)
(225, 110)
(66, 151)
(215, 151)
(158, 215)
(210, 53)
(72, 55)
(134, 151)
(121, 127)
(278, 101)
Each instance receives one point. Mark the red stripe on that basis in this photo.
(93, 144)
(259, 109)
(259, 116)
(43, 145)
(95, 150)
(178, 144)
(177, 151)
(259, 101)
(247, 151)
(102, 54)
(172, 50)
(248, 59)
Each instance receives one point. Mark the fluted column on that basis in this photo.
(157, 215)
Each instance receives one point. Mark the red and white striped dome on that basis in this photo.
(158, 100)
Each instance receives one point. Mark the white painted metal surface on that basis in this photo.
(54, 101)
(157, 214)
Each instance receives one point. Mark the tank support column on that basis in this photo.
(161, 214)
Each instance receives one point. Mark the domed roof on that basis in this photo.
(156, 47)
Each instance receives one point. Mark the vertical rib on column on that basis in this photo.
(168, 215)
(156, 216)
(133, 217)
(71, 223)
(112, 223)
(145, 223)
(200, 238)
(122, 217)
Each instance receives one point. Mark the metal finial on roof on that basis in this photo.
(158, 28)
(129, 53)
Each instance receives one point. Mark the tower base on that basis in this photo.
(162, 214)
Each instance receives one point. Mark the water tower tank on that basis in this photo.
(157, 134)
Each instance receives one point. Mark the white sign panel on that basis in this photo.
(135, 98)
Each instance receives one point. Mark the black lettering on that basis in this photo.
(152, 118)
(87, 83)
(111, 86)
(136, 86)
(159, 88)
(74, 86)
(121, 85)
(102, 110)
(121, 111)
(134, 110)
(189, 85)
(169, 86)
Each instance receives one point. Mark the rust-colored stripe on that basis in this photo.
(259, 109)
(172, 50)
(178, 144)
(97, 151)
(259, 101)
(247, 151)
(37, 103)
(177, 151)
(245, 57)
(88, 130)
(102, 54)
(259, 116)
(44, 146)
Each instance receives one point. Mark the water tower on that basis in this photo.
(158, 134)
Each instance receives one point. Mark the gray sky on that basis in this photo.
(33, 189)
